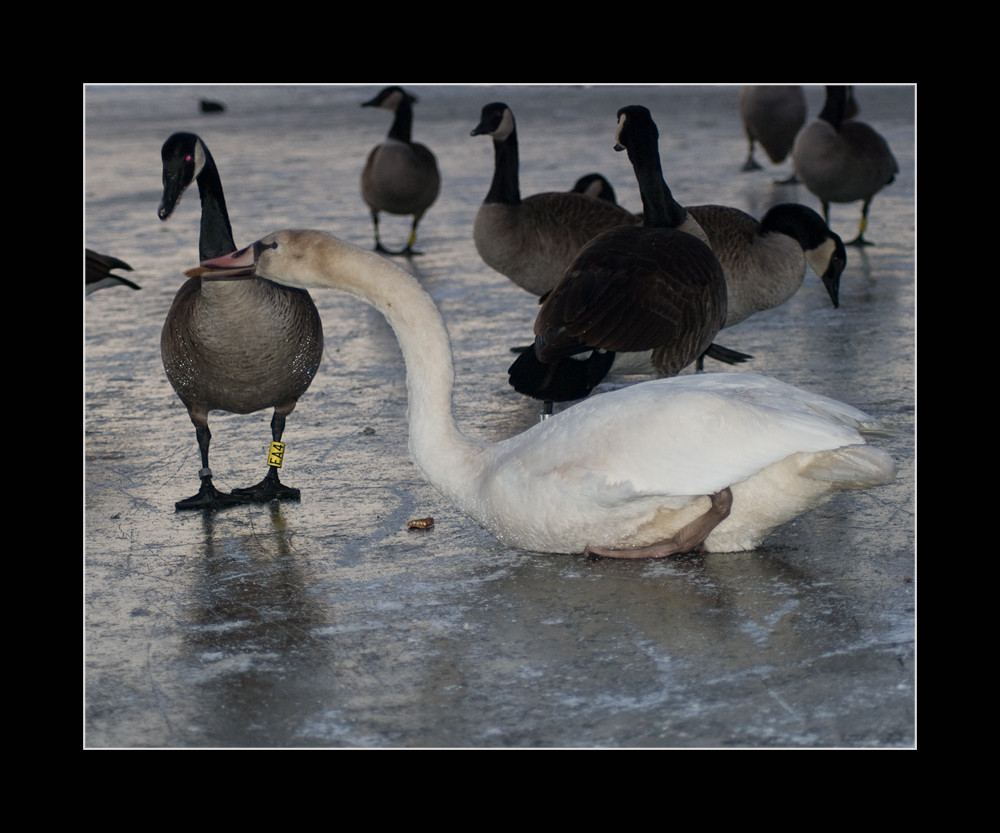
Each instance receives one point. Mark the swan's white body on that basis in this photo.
(620, 470)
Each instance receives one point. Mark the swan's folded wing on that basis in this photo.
(683, 438)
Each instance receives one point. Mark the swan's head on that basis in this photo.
(635, 127)
(295, 257)
(496, 120)
(183, 157)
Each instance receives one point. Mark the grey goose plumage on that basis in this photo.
(400, 176)
(631, 289)
(533, 239)
(764, 261)
(843, 160)
(772, 116)
(237, 346)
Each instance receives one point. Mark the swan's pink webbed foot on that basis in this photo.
(690, 538)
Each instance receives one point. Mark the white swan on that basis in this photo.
(645, 471)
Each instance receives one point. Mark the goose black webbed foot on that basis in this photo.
(209, 497)
(270, 488)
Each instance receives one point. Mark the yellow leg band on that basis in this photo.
(275, 454)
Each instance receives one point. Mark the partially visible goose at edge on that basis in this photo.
(764, 260)
(237, 346)
(595, 185)
(532, 240)
(842, 160)
(772, 115)
(99, 274)
(652, 289)
(709, 462)
(400, 176)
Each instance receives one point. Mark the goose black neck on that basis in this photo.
(660, 209)
(797, 221)
(505, 187)
(402, 124)
(834, 106)
(216, 231)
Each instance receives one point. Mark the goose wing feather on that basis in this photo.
(631, 290)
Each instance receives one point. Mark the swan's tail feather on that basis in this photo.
(853, 467)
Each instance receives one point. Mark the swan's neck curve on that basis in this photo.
(447, 458)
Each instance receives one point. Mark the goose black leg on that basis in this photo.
(208, 496)
(270, 488)
(860, 239)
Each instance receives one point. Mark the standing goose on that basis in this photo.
(772, 115)
(652, 289)
(533, 240)
(99, 274)
(232, 346)
(400, 176)
(843, 160)
(699, 462)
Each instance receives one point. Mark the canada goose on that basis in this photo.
(99, 274)
(533, 240)
(773, 116)
(651, 289)
(763, 269)
(765, 260)
(764, 263)
(843, 160)
(595, 185)
(238, 347)
(708, 462)
(400, 176)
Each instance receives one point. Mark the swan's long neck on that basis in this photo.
(216, 231)
(505, 187)
(446, 456)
